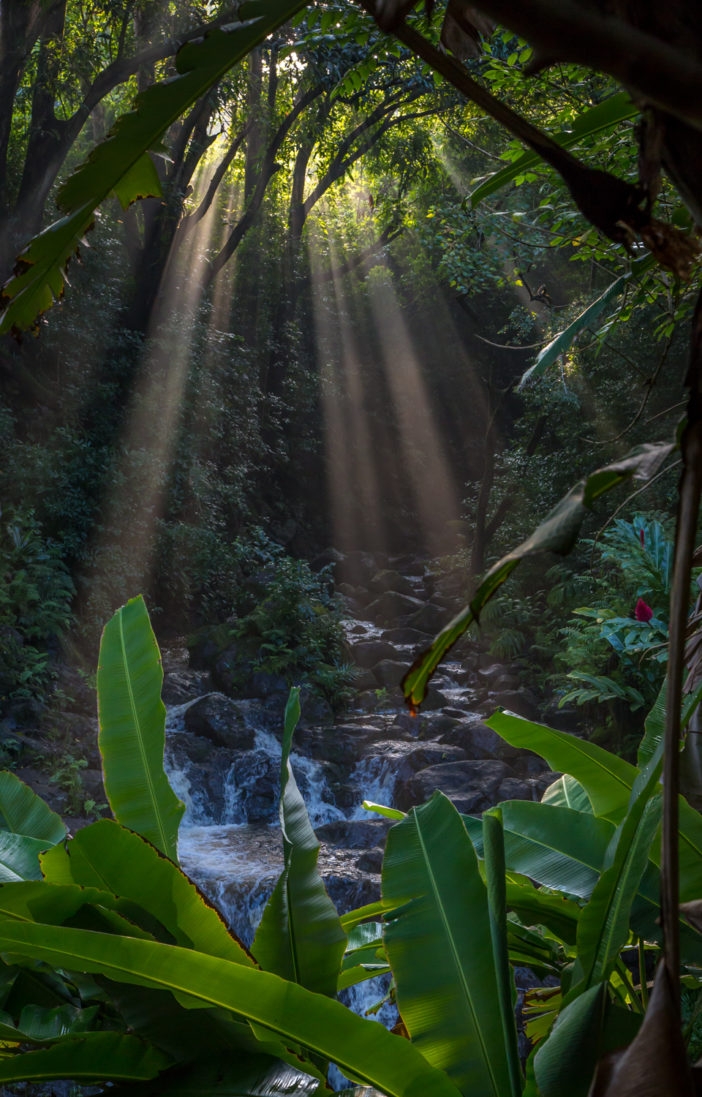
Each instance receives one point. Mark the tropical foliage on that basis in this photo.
(131, 956)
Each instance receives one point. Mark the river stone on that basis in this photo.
(265, 685)
(226, 671)
(219, 719)
(433, 754)
(431, 618)
(389, 673)
(522, 702)
(370, 652)
(354, 833)
(478, 740)
(518, 788)
(371, 860)
(391, 580)
(434, 700)
(365, 680)
(389, 606)
(253, 782)
(408, 565)
(471, 786)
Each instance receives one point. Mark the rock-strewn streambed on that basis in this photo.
(223, 752)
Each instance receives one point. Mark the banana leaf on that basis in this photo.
(105, 855)
(27, 827)
(91, 1058)
(604, 923)
(121, 164)
(439, 944)
(559, 848)
(362, 1049)
(606, 778)
(566, 792)
(132, 729)
(300, 936)
(227, 1076)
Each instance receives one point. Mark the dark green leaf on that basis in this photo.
(300, 936)
(132, 733)
(557, 533)
(439, 945)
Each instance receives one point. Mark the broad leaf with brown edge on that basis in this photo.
(557, 533)
(654, 1064)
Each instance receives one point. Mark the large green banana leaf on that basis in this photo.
(495, 883)
(542, 908)
(23, 812)
(122, 163)
(227, 1076)
(362, 1049)
(559, 848)
(606, 778)
(94, 1057)
(565, 850)
(132, 729)
(300, 936)
(585, 1030)
(608, 781)
(566, 792)
(27, 826)
(439, 944)
(604, 923)
(105, 855)
(41, 1024)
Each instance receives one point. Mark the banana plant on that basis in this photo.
(140, 979)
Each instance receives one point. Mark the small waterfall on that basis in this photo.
(375, 778)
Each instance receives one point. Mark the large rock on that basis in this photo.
(389, 673)
(433, 754)
(430, 618)
(471, 786)
(221, 721)
(354, 833)
(369, 652)
(391, 580)
(478, 740)
(386, 609)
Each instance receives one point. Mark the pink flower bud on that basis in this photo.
(642, 611)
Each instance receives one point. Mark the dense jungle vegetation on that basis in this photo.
(342, 284)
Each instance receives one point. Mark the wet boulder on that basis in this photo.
(370, 652)
(390, 606)
(471, 786)
(220, 720)
(430, 618)
(391, 580)
(389, 673)
(478, 740)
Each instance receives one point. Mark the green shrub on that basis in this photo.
(284, 619)
(35, 606)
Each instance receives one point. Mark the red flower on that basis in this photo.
(642, 611)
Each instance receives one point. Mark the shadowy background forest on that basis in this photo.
(310, 348)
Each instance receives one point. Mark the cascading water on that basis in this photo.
(223, 760)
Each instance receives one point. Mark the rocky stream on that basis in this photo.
(223, 752)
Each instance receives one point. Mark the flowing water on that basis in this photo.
(230, 841)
